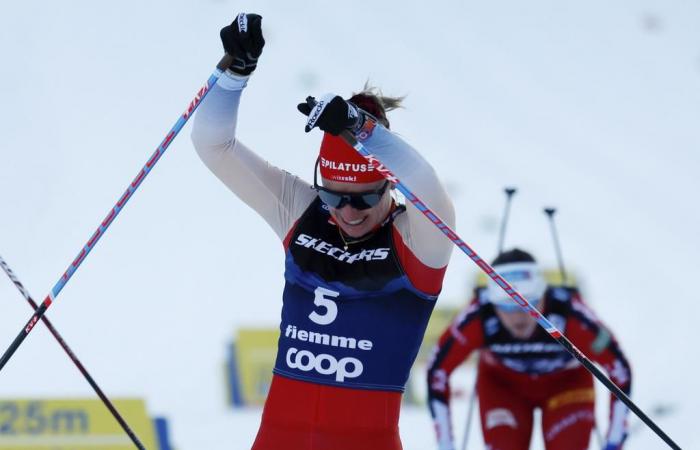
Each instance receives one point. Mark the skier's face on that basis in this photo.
(358, 222)
(519, 323)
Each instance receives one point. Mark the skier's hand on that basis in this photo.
(612, 445)
(243, 40)
(332, 114)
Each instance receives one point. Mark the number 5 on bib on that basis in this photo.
(331, 308)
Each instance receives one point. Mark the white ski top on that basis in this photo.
(281, 198)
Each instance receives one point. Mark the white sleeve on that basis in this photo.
(428, 243)
(618, 423)
(278, 196)
(443, 424)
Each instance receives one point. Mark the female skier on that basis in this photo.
(362, 272)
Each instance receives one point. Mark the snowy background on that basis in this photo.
(593, 107)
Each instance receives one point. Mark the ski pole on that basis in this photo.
(564, 280)
(112, 409)
(553, 331)
(658, 411)
(509, 191)
(470, 412)
(60, 284)
(557, 248)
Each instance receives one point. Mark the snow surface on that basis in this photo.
(592, 107)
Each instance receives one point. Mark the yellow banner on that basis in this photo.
(72, 424)
(255, 352)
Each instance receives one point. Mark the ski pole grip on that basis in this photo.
(510, 191)
(550, 211)
(225, 62)
(346, 135)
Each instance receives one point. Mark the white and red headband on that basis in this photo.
(338, 161)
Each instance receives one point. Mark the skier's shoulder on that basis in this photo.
(568, 299)
(563, 300)
(471, 312)
(565, 294)
(480, 298)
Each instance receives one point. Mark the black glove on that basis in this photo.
(244, 41)
(332, 114)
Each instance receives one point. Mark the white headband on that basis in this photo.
(525, 277)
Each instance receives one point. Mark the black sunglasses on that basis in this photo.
(358, 200)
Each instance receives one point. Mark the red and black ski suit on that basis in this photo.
(516, 376)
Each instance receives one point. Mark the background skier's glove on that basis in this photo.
(243, 40)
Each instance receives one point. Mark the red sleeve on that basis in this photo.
(424, 278)
(596, 341)
(463, 336)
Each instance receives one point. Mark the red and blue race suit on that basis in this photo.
(353, 314)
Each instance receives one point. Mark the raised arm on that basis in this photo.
(278, 196)
(425, 251)
(422, 237)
